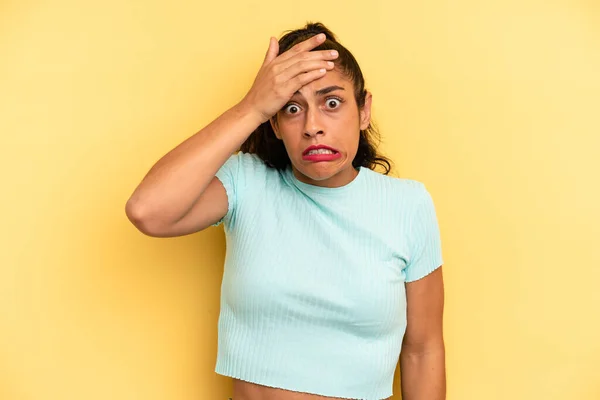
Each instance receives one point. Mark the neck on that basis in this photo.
(341, 178)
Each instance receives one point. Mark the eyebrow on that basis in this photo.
(324, 91)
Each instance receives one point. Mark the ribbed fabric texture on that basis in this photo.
(313, 297)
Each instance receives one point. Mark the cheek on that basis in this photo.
(290, 131)
(288, 125)
(290, 137)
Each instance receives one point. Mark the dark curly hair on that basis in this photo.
(271, 150)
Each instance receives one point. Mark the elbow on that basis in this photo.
(138, 215)
(424, 347)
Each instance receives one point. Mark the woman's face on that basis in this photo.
(324, 112)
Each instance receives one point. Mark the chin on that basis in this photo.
(320, 171)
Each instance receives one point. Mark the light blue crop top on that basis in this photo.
(313, 296)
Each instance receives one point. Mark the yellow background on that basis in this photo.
(494, 105)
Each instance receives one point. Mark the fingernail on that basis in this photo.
(334, 53)
(321, 36)
(329, 63)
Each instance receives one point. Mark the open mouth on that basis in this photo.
(321, 154)
(319, 151)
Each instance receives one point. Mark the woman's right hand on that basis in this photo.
(281, 76)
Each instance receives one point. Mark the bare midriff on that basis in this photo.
(243, 390)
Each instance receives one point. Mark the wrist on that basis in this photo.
(245, 110)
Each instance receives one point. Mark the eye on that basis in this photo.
(291, 109)
(333, 102)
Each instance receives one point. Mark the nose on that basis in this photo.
(312, 124)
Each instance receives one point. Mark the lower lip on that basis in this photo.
(322, 157)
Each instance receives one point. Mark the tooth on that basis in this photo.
(320, 151)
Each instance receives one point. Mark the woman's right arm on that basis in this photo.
(180, 194)
(182, 183)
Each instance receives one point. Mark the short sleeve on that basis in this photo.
(425, 249)
(229, 174)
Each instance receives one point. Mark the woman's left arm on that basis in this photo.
(422, 359)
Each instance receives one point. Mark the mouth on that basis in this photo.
(320, 153)
(319, 149)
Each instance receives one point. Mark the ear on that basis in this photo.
(275, 126)
(365, 112)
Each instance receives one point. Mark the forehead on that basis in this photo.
(331, 78)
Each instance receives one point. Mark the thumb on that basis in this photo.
(272, 51)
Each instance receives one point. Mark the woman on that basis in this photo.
(333, 270)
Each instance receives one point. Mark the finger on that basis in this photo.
(327, 55)
(304, 67)
(306, 45)
(293, 85)
(271, 51)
